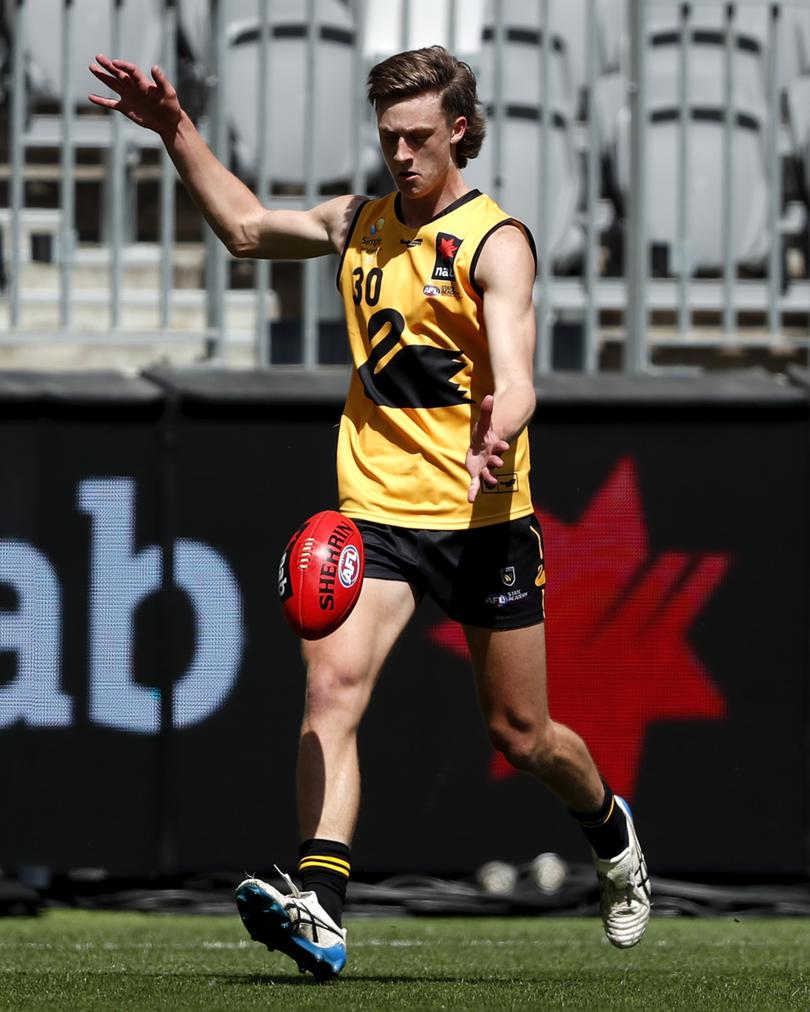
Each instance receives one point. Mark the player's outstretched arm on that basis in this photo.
(505, 272)
(246, 227)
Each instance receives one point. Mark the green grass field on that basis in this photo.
(124, 961)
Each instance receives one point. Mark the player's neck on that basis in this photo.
(418, 211)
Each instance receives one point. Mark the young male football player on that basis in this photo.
(433, 464)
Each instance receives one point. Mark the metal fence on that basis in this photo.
(659, 151)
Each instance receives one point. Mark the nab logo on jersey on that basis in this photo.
(447, 246)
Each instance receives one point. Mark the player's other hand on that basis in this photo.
(151, 104)
(484, 454)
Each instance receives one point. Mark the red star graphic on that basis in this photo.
(618, 656)
(447, 249)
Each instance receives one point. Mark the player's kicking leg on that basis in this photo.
(341, 672)
(511, 679)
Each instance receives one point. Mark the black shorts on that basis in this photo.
(489, 576)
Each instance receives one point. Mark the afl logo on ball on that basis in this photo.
(349, 566)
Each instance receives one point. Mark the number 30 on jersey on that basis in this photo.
(367, 285)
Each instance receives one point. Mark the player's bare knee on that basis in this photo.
(548, 750)
(332, 686)
(517, 738)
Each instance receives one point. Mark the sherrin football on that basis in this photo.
(320, 574)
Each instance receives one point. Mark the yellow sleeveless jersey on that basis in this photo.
(422, 366)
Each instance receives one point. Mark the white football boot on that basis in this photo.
(296, 925)
(624, 888)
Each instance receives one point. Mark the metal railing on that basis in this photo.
(573, 285)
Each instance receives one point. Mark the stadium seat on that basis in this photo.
(195, 21)
(798, 101)
(524, 106)
(520, 191)
(612, 16)
(92, 21)
(706, 183)
(801, 26)
(707, 54)
(522, 66)
(286, 93)
(570, 20)
(429, 25)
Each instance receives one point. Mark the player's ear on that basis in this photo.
(458, 128)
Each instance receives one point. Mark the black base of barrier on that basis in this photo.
(150, 692)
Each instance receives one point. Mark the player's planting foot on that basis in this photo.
(625, 890)
(296, 925)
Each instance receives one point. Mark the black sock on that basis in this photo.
(323, 868)
(606, 828)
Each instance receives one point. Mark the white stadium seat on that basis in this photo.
(522, 65)
(707, 54)
(195, 21)
(520, 189)
(801, 26)
(286, 84)
(286, 94)
(429, 22)
(798, 100)
(524, 106)
(749, 235)
(140, 41)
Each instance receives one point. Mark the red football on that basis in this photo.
(321, 573)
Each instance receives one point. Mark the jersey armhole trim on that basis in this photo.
(474, 262)
(349, 235)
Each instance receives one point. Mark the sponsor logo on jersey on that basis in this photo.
(508, 576)
(447, 247)
(371, 243)
(506, 483)
(436, 290)
(410, 243)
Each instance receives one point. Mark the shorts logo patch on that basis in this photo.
(501, 600)
(508, 576)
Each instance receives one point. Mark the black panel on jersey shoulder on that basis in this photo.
(349, 235)
(450, 207)
(500, 224)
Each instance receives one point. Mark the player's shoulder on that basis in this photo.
(338, 215)
(506, 255)
(344, 213)
(499, 227)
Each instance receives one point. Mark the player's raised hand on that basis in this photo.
(151, 104)
(486, 447)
